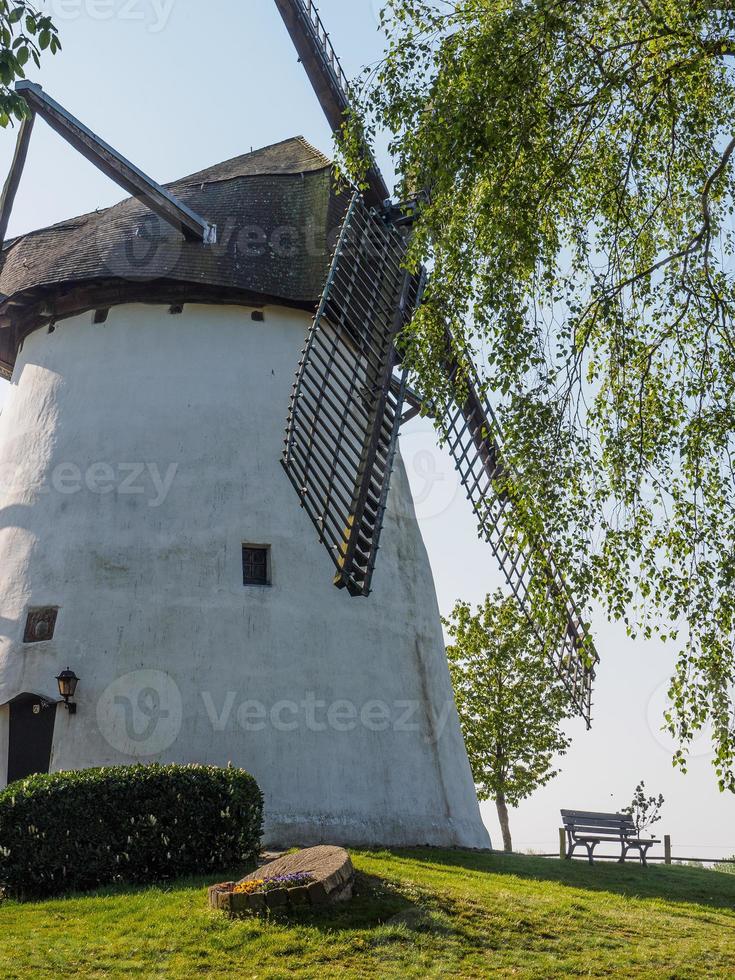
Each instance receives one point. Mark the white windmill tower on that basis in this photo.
(149, 537)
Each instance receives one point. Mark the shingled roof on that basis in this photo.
(277, 213)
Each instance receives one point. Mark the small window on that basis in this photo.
(256, 564)
(40, 625)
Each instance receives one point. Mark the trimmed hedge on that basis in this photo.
(72, 831)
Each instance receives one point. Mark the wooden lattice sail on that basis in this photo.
(474, 439)
(346, 408)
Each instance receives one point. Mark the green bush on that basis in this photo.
(72, 831)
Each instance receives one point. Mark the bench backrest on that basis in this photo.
(590, 822)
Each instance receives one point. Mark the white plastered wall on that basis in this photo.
(136, 457)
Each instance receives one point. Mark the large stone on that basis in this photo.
(298, 895)
(240, 902)
(256, 903)
(220, 896)
(276, 899)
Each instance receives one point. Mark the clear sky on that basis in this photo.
(177, 85)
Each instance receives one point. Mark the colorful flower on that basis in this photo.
(263, 885)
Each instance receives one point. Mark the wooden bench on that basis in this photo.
(585, 829)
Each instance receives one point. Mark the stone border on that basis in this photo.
(333, 875)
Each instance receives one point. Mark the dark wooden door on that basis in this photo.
(31, 735)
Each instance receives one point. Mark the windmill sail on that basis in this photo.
(474, 440)
(346, 409)
(332, 88)
(340, 466)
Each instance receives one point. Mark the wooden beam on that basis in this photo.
(16, 171)
(411, 398)
(373, 443)
(328, 80)
(115, 166)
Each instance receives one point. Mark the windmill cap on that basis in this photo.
(277, 211)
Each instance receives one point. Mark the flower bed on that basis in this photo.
(265, 885)
(315, 876)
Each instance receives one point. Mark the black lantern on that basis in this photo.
(67, 681)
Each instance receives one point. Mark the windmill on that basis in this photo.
(157, 541)
(348, 400)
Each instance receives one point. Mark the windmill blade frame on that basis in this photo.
(474, 440)
(346, 407)
(329, 81)
(469, 424)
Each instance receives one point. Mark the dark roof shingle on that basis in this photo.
(277, 212)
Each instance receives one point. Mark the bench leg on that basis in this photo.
(591, 851)
(642, 851)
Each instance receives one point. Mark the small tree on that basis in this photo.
(645, 810)
(510, 703)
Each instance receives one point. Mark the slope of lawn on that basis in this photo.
(418, 913)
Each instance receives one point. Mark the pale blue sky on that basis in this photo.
(177, 85)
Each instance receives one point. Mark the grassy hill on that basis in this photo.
(419, 913)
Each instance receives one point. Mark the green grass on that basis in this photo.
(418, 913)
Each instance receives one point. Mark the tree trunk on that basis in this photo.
(504, 823)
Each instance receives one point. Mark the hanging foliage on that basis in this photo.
(25, 32)
(579, 226)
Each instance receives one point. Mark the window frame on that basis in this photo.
(36, 615)
(268, 582)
